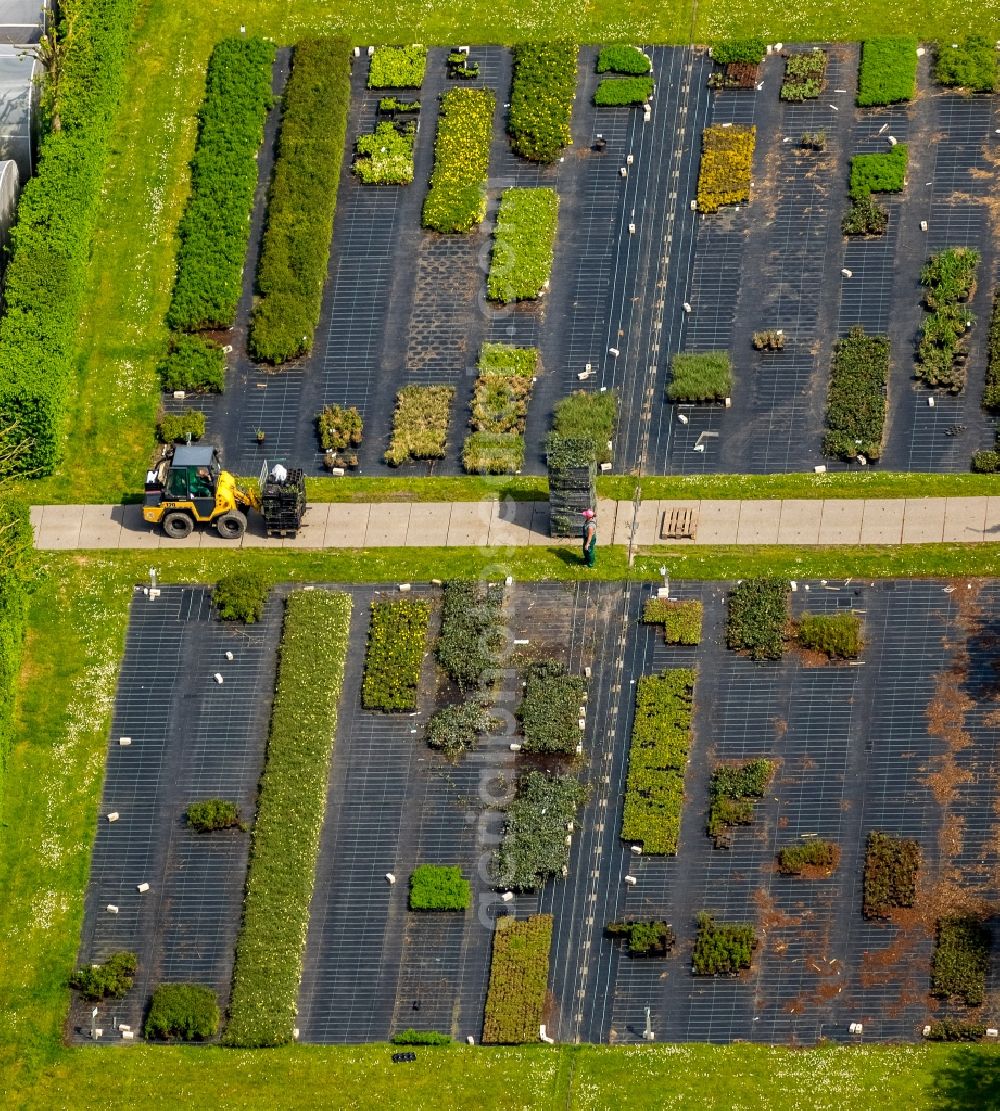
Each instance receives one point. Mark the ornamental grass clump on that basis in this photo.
(519, 980)
(523, 244)
(856, 404)
(397, 643)
(456, 200)
(702, 376)
(420, 424)
(541, 99)
(837, 635)
(726, 166)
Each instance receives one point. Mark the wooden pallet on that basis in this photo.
(678, 524)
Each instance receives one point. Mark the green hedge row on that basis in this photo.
(657, 760)
(215, 228)
(856, 404)
(456, 200)
(523, 244)
(541, 99)
(15, 553)
(289, 818)
(302, 201)
(45, 281)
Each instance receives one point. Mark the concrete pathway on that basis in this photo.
(494, 524)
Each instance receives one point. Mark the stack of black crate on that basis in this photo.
(572, 484)
(284, 503)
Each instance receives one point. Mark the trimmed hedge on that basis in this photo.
(705, 376)
(397, 67)
(45, 280)
(961, 960)
(420, 424)
(471, 642)
(302, 201)
(621, 58)
(16, 556)
(523, 244)
(726, 166)
(397, 643)
(971, 64)
(189, 1012)
(456, 200)
(588, 415)
(657, 760)
(550, 711)
(856, 404)
(519, 980)
(757, 619)
(541, 99)
(282, 868)
(215, 228)
(622, 92)
(534, 839)
(835, 634)
(193, 364)
(722, 949)
(681, 621)
(888, 71)
(439, 887)
(882, 172)
(891, 865)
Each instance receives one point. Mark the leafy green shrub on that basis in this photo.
(493, 453)
(502, 358)
(549, 713)
(193, 364)
(722, 949)
(888, 72)
(420, 424)
(732, 793)
(805, 75)
(397, 643)
(620, 92)
(519, 980)
(471, 640)
(865, 217)
(726, 166)
(439, 887)
(856, 404)
(46, 279)
(986, 462)
(883, 172)
(991, 394)
(420, 1037)
(186, 1011)
(215, 227)
(971, 63)
(705, 376)
(891, 865)
(112, 978)
(339, 427)
(523, 244)
(949, 280)
(302, 201)
(240, 596)
(177, 427)
(955, 1030)
(385, 157)
(835, 634)
(588, 415)
(757, 622)
(456, 728)
(541, 99)
(397, 104)
(621, 58)
(657, 760)
(681, 621)
(534, 839)
(397, 67)
(645, 939)
(456, 200)
(808, 858)
(208, 815)
(747, 51)
(279, 888)
(961, 960)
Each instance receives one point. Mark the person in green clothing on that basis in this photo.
(589, 537)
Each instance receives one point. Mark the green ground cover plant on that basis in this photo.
(722, 949)
(837, 635)
(970, 63)
(523, 244)
(657, 760)
(805, 76)
(732, 794)
(503, 358)
(991, 394)
(949, 281)
(439, 887)
(534, 838)
(397, 643)
(215, 228)
(856, 404)
(888, 72)
(178, 427)
(550, 710)
(193, 364)
(749, 51)
(420, 1037)
(188, 1012)
(961, 960)
(455, 728)
(701, 376)
(385, 156)
(240, 596)
(621, 92)
(471, 641)
(541, 99)
(113, 977)
(588, 415)
(681, 621)
(890, 880)
(644, 938)
(809, 858)
(209, 815)
(622, 58)
(456, 200)
(882, 172)
(420, 424)
(397, 67)
(302, 201)
(519, 980)
(757, 618)
(726, 166)
(270, 945)
(865, 217)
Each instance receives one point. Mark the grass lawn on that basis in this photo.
(121, 329)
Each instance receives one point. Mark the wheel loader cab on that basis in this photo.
(193, 476)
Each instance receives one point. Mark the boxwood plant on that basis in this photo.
(397, 643)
